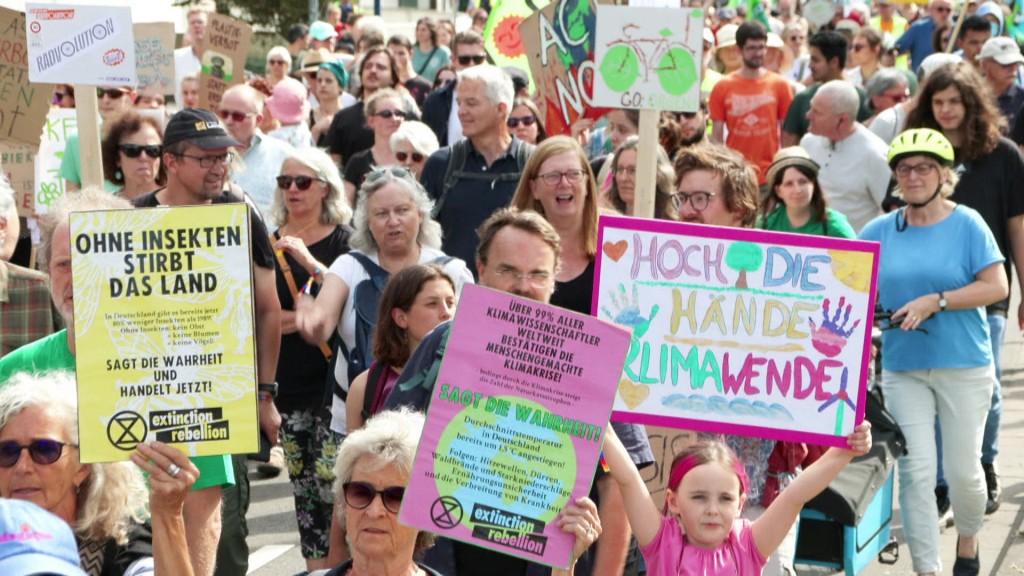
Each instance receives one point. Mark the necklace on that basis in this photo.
(307, 227)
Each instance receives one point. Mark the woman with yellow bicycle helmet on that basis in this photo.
(938, 269)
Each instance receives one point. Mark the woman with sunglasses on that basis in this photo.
(104, 504)
(385, 112)
(940, 266)
(373, 470)
(131, 154)
(310, 205)
(865, 55)
(414, 301)
(429, 54)
(279, 64)
(412, 144)
(795, 201)
(111, 101)
(524, 121)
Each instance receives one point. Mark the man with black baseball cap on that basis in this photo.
(196, 158)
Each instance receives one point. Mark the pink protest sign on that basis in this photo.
(515, 425)
(739, 331)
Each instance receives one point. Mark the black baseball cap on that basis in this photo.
(198, 126)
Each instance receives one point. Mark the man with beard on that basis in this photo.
(751, 102)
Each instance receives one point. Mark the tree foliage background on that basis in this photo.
(274, 16)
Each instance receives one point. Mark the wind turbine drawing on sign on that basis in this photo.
(843, 398)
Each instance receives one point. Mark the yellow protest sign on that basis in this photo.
(164, 330)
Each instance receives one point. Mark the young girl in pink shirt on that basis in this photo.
(700, 532)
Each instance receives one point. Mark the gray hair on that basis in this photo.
(389, 438)
(430, 231)
(841, 96)
(499, 87)
(113, 496)
(7, 200)
(415, 134)
(336, 211)
(86, 199)
(280, 51)
(885, 79)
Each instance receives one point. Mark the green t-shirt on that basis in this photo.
(796, 119)
(51, 353)
(836, 225)
(71, 165)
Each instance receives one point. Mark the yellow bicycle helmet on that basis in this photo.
(921, 141)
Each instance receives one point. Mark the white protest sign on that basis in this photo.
(648, 58)
(91, 45)
(60, 123)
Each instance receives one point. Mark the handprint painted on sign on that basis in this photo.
(831, 337)
(627, 312)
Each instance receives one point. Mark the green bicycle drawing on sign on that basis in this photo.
(630, 58)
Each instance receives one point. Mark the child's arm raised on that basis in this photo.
(771, 528)
(644, 517)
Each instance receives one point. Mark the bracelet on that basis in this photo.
(318, 270)
(265, 397)
(269, 389)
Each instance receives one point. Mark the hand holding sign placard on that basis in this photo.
(739, 331)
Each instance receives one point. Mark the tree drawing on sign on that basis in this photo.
(744, 257)
(630, 58)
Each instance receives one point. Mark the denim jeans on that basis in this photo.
(960, 398)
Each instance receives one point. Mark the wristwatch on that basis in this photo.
(942, 302)
(268, 388)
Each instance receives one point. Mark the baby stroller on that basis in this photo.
(848, 524)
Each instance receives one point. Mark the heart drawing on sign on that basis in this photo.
(615, 250)
(632, 394)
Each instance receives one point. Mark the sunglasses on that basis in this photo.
(276, 62)
(112, 93)
(403, 156)
(236, 116)
(389, 114)
(465, 60)
(136, 150)
(524, 120)
(301, 182)
(688, 115)
(43, 452)
(943, 9)
(393, 171)
(360, 495)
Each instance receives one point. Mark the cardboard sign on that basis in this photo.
(223, 58)
(73, 44)
(739, 331)
(154, 58)
(59, 124)
(559, 42)
(164, 330)
(23, 104)
(515, 425)
(19, 166)
(649, 58)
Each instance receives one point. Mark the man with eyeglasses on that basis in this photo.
(441, 111)
(854, 163)
(472, 178)
(751, 102)
(827, 51)
(887, 88)
(518, 254)
(111, 101)
(241, 110)
(918, 38)
(57, 353)
(196, 157)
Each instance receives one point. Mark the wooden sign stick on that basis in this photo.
(646, 165)
(86, 108)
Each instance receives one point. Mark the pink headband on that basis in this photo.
(690, 462)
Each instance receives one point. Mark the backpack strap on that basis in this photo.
(377, 274)
(456, 161)
(374, 381)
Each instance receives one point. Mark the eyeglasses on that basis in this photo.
(538, 279)
(389, 114)
(942, 9)
(524, 120)
(276, 62)
(301, 182)
(136, 150)
(922, 169)
(211, 161)
(43, 452)
(112, 93)
(699, 200)
(403, 156)
(553, 178)
(360, 495)
(857, 47)
(626, 171)
(236, 116)
(797, 38)
(466, 60)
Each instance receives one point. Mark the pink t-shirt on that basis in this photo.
(670, 552)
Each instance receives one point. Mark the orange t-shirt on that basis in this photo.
(752, 110)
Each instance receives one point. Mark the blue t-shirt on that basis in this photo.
(918, 40)
(924, 260)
